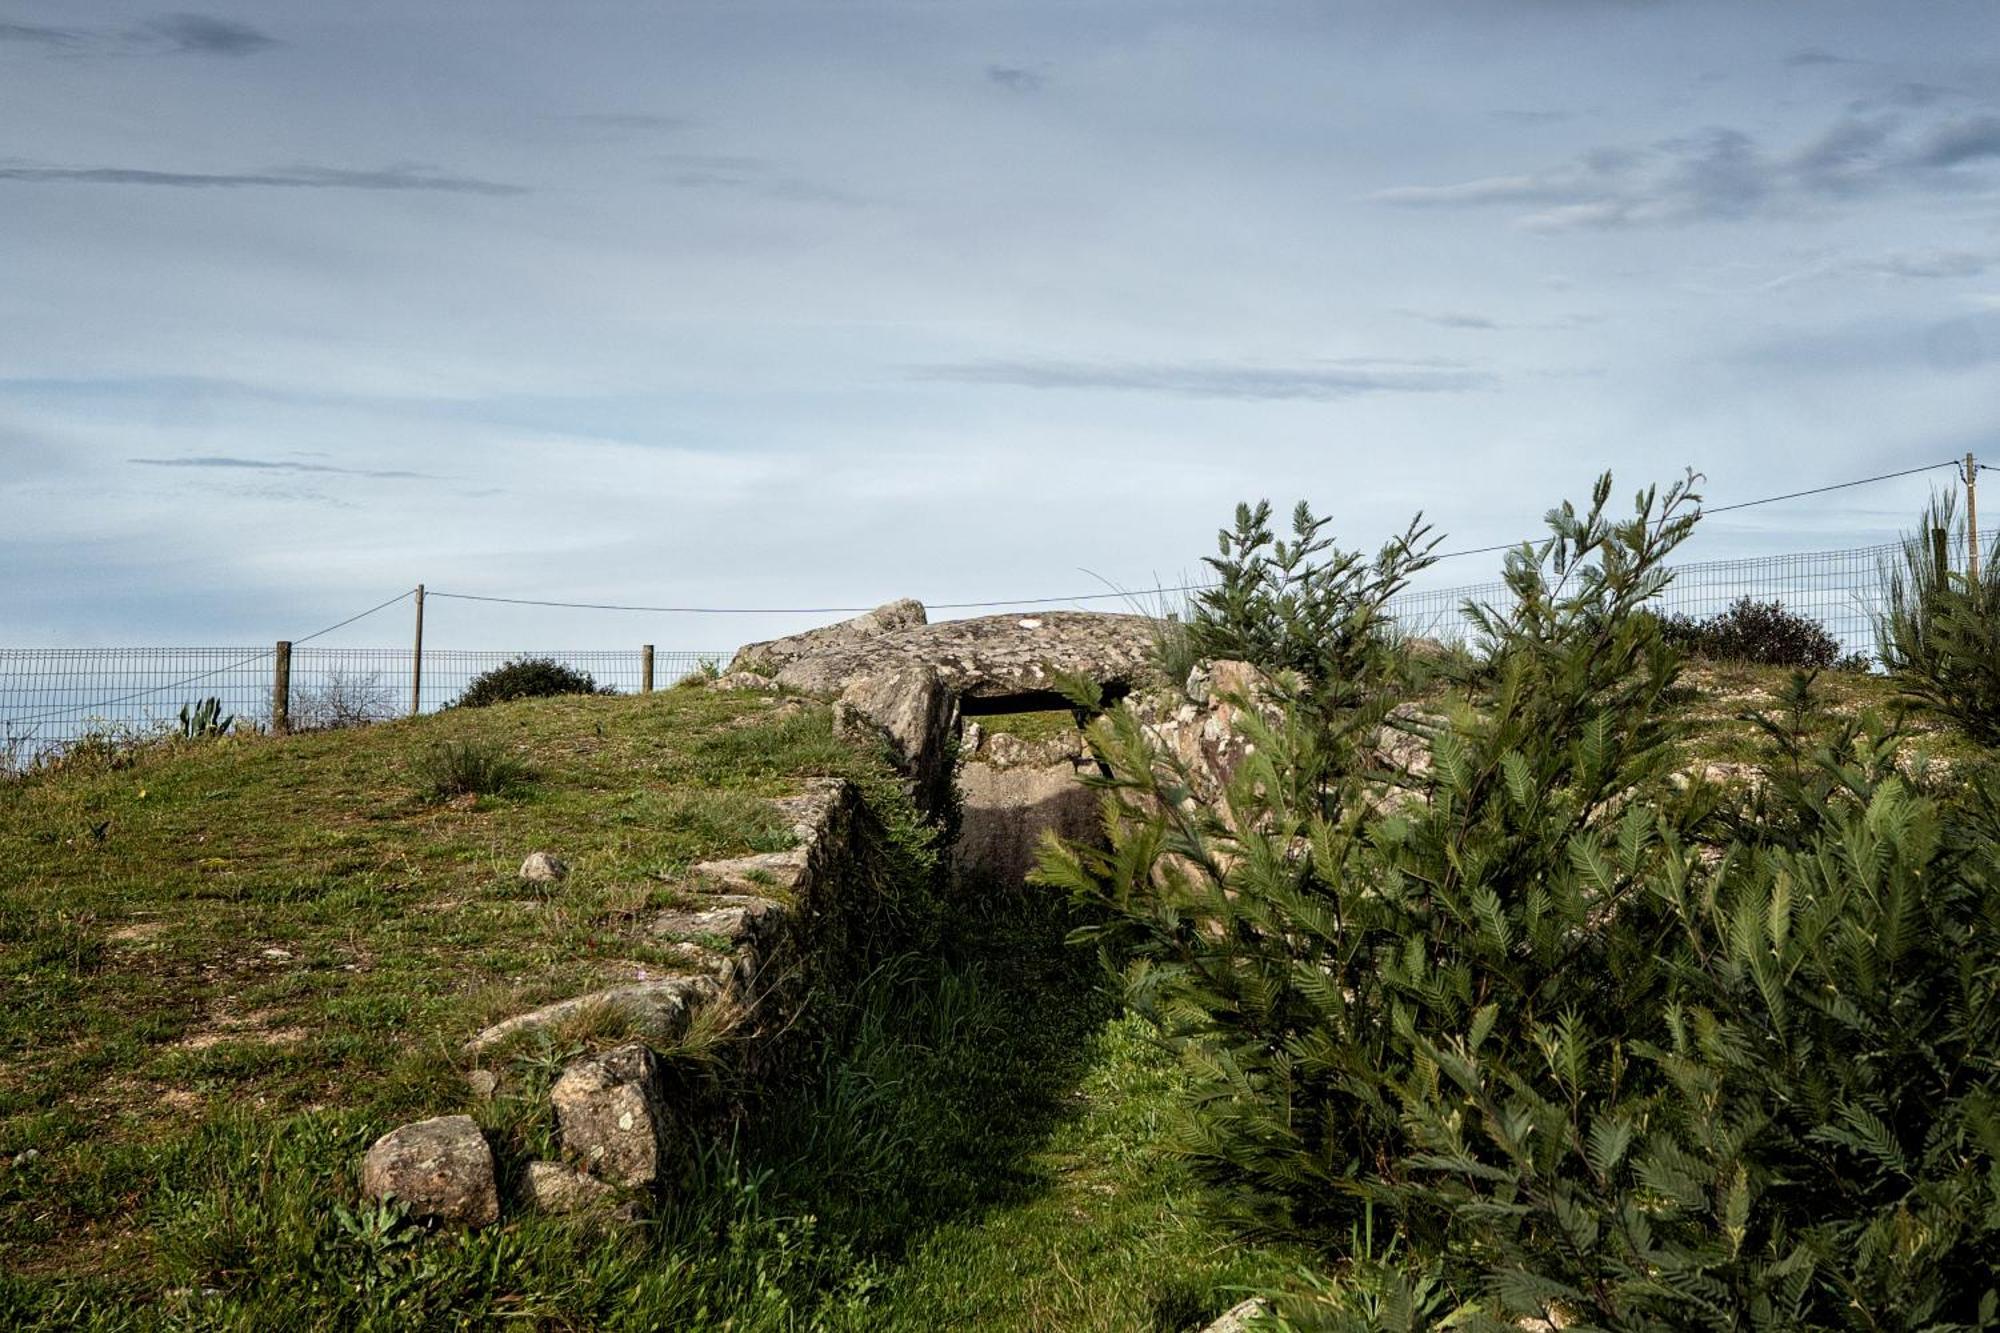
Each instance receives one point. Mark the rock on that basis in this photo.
(660, 1009)
(1005, 810)
(759, 870)
(736, 917)
(912, 711)
(482, 1083)
(1239, 1318)
(776, 653)
(544, 868)
(742, 680)
(555, 1188)
(440, 1168)
(991, 657)
(612, 1116)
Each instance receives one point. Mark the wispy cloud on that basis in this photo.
(724, 171)
(1813, 56)
(272, 465)
(1016, 78)
(36, 35)
(180, 34)
(1322, 380)
(204, 35)
(294, 178)
(1452, 319)
(1900, 265)
(1723, 174)
(632, 120)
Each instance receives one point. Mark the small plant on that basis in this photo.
(1759, 633)
(705, 673)
(1303, 605)
(1939, 633)
(204, 720)
(525, 678)
(460, 768)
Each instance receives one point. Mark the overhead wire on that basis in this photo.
(1081, 597)
(251, 660)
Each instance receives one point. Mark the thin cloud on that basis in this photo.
(269, 465)
(201, 34)
(1015, 78)
(1329, 380)
(1902, 265)
(1453, 319)
(293, 178)
(723, 171)
(36, 35)
(177, 34)
(1808, 58)
(632, 120)
(1723, 174)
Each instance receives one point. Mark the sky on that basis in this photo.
(762, 304)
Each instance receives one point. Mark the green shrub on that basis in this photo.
(1938, 635)
(1302, 605)
(1759, 633)
(460, 768)
(1586, 1072)
(525, 678)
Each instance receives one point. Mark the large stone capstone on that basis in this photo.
(772, 654)
(988, 657)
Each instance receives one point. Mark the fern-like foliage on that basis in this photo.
(1606, 1056)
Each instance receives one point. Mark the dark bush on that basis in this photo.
(1759, 633)
(525, 678)
(1591, 1075)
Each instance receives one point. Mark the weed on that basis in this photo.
(467, 768)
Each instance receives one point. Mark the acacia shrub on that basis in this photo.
(1593, 1075)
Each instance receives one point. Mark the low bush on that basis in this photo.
(461, 768)
(1938, 634)
(1761, 634)
(1593, 1059)
(526, 678)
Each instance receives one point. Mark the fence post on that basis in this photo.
(645, 668)
(1940, 556)
(1971, 516)
(417, 659)
(281, 688)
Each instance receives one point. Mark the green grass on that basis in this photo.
(230, 965)
(292, 925)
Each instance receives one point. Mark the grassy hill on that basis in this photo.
(229, 964)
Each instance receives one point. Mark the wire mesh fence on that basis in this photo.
(1839, 589)
(52, 697)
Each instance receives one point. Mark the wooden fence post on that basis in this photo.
(417, 659)
(645, 668)
(281, 688)
(1972, 516)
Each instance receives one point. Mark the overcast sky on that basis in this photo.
(756, 303)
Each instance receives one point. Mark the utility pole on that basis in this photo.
(417, 659)
(1971, 516)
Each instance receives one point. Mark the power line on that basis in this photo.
(196, 680)
(1081, 597)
